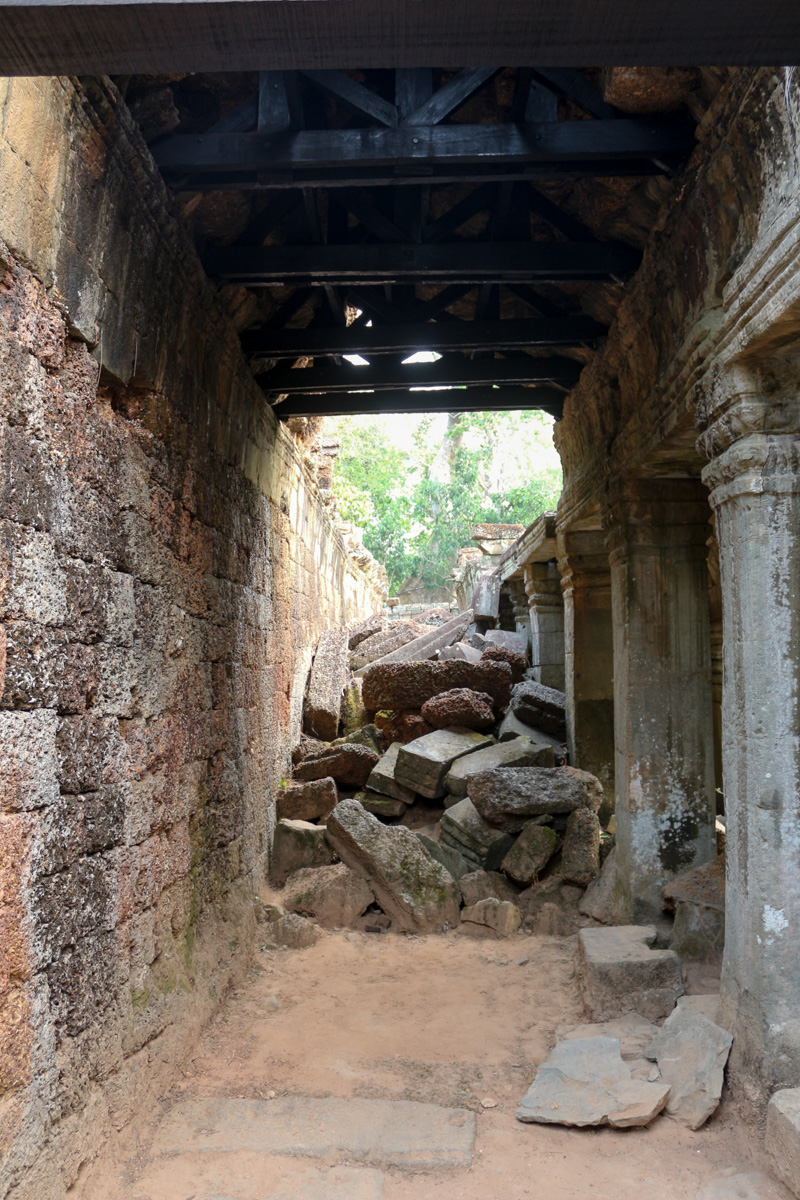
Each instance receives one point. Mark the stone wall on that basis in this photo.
(165, 569)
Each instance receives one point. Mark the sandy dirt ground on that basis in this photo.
(447, 1020)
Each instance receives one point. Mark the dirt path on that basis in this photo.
(444, 1020)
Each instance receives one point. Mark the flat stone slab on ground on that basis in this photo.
(465, 830)
(340, 1183)
(633, 1032)
(423, 764)
(586, 1082)
(508, 797)
(521, 752)
(618, 972)
(386, 1133)
(707, 1005)
(382, 778)
(691, 1053)
(783, 1137)
(326, 684)
(736, 1185)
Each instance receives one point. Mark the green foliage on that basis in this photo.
(416, 488)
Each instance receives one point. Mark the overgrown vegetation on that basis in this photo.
(416, 484)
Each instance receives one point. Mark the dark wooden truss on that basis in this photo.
(349, 162)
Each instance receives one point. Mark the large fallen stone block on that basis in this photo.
(353, 714)
(335, 896)
(415, 891)
(461, 652)
(550, 908)
(361, 630)
(380, 806)
(691, 1053)
(423, 764)
(486, 885)
(306, 801)
(698, 900)
(520, 752)
(783, 1137)
(465, 830)
(496, 916)
(404, 686)
(517, 643)
(500, 654)
(382, 778)
(326, 684)
(385, 641)
(290, 931)
(580, 854)
(422, 648)
(450, 859)
(508, 797)
(401, 727)
(618, 972)
(512, 727)
(540, 706)
(585, 1081)
(349, 764)
(633, 1032)
(599, 901)
(366, 735)
(298, 844)
(530, 853)
(460, 708)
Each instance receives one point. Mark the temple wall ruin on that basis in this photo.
(166, 567)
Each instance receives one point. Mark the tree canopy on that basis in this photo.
(416, 483)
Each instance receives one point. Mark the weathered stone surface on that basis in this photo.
(705, 885)
(382, 778)
(350, 765)
(550, 908)
(414, 890)
(353, 715)
(633, 1032)
(422, 648)
(401, 727)
(423, 764)
(290, 931)
(580, 854)
(519, 752)
(505, 639)
(465, 830)
(361, 630)
(339, 1183)
(461, 652)
(586, 1082)
(707, 1005)
(307, 747)
(326, 684)
(335, 896)
(460, 708)
(619, 973)
(508, 797)
(540, 706)
(385, 641)
(511, 727)
(783, 1137)
(403, 686)
(380, 806)
(450, 859)
(698, 900)
(501, 654)
(486, 885)
(691, 1053)
(599, 901)
(366, 735)
(306, 801)
(530, 853)
(499, 916)
(398, 1133)
(297, 844)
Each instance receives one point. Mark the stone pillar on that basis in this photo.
(657, 533)
(519, 604)
(546, 615)
(588, 656)
(754, 477)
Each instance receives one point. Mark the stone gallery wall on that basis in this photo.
(165, 570)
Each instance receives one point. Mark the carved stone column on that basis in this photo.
(753, 441)
(519, 604)
(546, 614)
(665, 811)
(588, 655)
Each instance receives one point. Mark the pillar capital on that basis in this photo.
(582, 560)
(656, 516)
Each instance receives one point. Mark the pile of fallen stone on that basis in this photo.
(427, 795)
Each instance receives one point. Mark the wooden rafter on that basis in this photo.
(453, 371)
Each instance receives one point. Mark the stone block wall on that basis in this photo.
(165, 570)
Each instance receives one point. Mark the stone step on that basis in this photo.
(383, 1133)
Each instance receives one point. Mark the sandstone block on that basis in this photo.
(460, 708)
(349, 765)
(359, 632)
(366, 735)
(353, 715)
(515, 643)
(580, 854)
(698, 900)
(381, 778)
(404, 686)
(385, 641)
(465, 830)
(500, 916)
(307, 747)
(401, 727)
(540, 706)
(508, 797)
(461, 652)
(416, 892)
(422, 648)
(486, 885)
(584, 1082)
(521, 752)
(293, 932)
(335, 896)
(530, 853)
(297, 844)
(550, 908)
(306, 801)
(511, 727)
(633, 1032)
(783, 1137)
(381, 806)
(599, 901)
(691, 1053)
(619, 973)
(326, 684)
(450, 859)
(422, 764)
